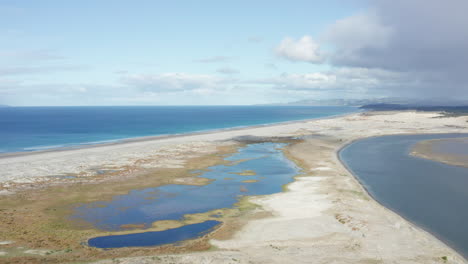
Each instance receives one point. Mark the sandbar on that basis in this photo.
(324, 216)
(427, 149)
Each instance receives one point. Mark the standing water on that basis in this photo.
(257, 169)
(431, 194)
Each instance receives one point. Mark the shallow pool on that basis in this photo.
(146, 239)
(257, 169)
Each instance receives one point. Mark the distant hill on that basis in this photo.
(458, 109)
(386, 101)
(346, 102)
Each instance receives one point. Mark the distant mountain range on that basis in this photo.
(442, 108)
(389, 101)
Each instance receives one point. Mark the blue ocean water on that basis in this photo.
(37, 128)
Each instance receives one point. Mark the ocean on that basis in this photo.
(25, 129)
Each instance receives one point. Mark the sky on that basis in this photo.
(112, 52)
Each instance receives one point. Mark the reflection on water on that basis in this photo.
(171, 202)
(431, 194)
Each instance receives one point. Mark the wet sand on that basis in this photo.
(325, 216)
(427, 149)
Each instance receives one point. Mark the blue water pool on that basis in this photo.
(172, 202)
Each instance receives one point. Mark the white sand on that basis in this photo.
(170, 152)
(325, 217)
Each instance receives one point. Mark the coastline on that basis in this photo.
(415, 232)
(383, 205)
(325, 214)
(104, 143)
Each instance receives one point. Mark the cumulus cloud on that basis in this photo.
(427, 39)
(303, 49)
(394, 48)
(414, 48)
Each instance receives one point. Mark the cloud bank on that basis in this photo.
(174, 82)
(418, 47)
(403, 48)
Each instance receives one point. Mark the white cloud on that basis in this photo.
(314, 80)
(303, 49)
(173, 82)
(342, 82)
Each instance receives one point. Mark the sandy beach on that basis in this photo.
(324, 216)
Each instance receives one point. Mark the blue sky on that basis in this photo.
(188, 52)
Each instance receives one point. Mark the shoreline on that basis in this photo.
(381, 205)
(363, 187)
(87, 145)
(325, 214)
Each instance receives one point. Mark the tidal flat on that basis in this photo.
(40, 218)
(66, 216)
(265, 163)
(453, 151)
(324, 215)
(429, 193)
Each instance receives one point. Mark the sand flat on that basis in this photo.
(426, 149)
(324, 217)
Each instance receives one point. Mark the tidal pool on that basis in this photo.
(171, 202)
(431, 194)
(154, 238)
